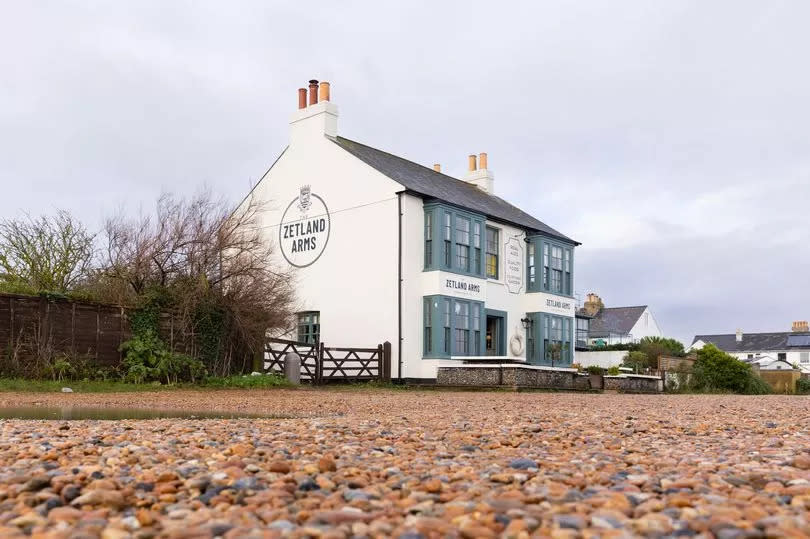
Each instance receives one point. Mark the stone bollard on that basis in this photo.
(292, 368)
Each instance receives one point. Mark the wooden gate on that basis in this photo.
(321, 364)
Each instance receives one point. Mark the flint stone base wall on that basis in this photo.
(517, 376)
(628, 383)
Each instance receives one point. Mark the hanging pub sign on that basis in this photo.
(304, 230)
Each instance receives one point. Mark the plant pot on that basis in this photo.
(597, 381)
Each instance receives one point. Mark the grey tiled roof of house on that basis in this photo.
(751, 342)
(427, 182)
(618, 320)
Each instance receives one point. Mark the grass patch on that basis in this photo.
(87, 386)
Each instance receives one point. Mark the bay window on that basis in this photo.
(557, 266)
(459, 331)
(453, 240)
(555, 335)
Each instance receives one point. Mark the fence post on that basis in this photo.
(380, 363)
(387, 360)
(319, 364)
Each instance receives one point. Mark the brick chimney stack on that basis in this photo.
(593, 305)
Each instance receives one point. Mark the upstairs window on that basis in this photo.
(477, 247)
(492, 253)
(428, 239)
(557, 266)
(448, 239)
(463, 243)
(453, 240)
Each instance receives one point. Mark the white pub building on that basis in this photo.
(385, 249)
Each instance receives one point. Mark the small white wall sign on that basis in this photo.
(513, 265)
(451, 284)
(304, 230)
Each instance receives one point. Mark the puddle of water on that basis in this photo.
(92, 412)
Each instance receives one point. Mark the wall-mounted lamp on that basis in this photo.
(527, 322)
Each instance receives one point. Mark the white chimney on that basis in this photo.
(479, 175)
(739, 335)
(315, 118)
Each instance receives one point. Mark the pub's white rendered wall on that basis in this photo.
(354, 282)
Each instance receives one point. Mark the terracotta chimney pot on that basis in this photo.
(313, 92)
(324, 91)
(437, 167)
(472, 166)
(482, 161)
(302, 98)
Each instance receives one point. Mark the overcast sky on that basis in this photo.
(671, 137)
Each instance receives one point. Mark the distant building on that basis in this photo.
(599, 325)
(764, 349)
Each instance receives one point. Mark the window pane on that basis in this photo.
(477, 234)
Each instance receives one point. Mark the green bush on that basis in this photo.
(594, 369)
(614, 371)
(636, 360)
(146, 359)
(803, 386)
(715, 370)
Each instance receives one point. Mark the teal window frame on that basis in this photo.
(453, 240)
(446, 318)
(544, 269)
(493, 252)
(309, 326)
(546, 330)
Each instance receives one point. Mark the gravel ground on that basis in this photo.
(412, 464)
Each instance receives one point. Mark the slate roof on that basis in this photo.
(754, 342)
(616, 320)
(429, 183)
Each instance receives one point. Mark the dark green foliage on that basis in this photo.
(594, 369)
(715, 370)
(637, 360)
(614, 371)
(147, 359)
(660, 346)
(803, 386)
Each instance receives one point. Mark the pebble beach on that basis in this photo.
(337, 463)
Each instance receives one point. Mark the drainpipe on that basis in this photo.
(399, 289)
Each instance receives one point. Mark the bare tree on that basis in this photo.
(51, 253)
(209, 258)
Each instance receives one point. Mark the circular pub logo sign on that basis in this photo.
(304, 229)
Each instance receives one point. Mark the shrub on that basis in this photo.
(714, 370)
(803, 386)
(146, 359)
(614, 371)
(595, 369)
(636, 361)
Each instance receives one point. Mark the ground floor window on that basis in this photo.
(804, 357)
(309, 327)
(782, 356)
(460, 331)
(555, 336)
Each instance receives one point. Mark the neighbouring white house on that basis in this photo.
(385, 249)
(600, 325)
(766, 349)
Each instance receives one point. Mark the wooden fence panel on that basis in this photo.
(321, 364)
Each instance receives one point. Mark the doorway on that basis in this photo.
(496, 333)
